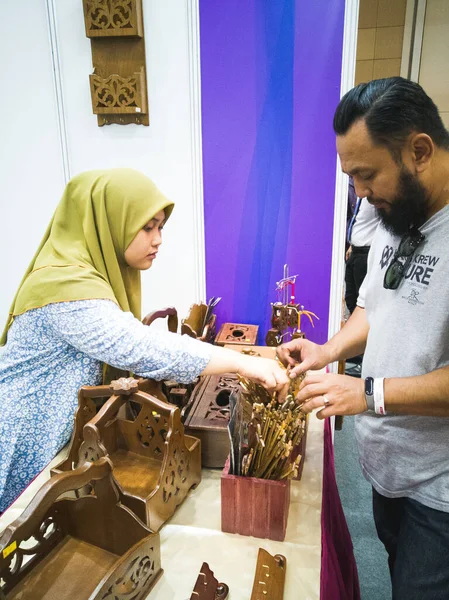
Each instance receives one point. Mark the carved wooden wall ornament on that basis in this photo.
(113, 17)
(118, 84)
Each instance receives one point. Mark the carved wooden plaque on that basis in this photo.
(113, 18)
(118, 83)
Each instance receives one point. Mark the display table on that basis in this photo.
(194, 535)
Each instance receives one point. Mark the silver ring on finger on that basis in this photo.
(326, 400)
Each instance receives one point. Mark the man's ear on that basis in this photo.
(422, 150)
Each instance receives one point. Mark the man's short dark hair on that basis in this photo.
(392, 108)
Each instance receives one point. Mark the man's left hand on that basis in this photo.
(332, 395)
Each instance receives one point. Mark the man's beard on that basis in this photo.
(408, 208)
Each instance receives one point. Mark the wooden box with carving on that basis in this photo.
(154, 463)
(252, 506)
(65, 547)
(237, 334)
(208, 417)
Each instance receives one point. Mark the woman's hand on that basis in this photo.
(301, 355)
(267, 372)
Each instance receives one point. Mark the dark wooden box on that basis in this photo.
(208, 417)
(251, 506)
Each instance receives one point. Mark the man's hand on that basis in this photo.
(332, 395)
(301, 355)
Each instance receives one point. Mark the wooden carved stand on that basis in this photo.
(88, 548)
(154, 463)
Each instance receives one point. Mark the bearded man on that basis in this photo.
(392, 141)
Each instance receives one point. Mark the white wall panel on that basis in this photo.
(31, 172)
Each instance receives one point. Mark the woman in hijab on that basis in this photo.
(78, 308)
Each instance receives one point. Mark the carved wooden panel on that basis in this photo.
(209, 416)
(134, 578)
(119, 95)
(113, 18)
(26, 554)
(212, 407)
(118, 83)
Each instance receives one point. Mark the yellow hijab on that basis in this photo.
(82, 254)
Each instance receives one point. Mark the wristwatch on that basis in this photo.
(369, 393)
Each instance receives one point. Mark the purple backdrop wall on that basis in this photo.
(270, 78)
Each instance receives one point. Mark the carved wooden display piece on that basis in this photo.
(154, 463)
(207, 586)
(269, 580)
(118, 84)
(199, 323)
(237, 334)
(88, 548)
(251, 506)
(208, 417)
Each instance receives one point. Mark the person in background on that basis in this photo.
(361, 230)
(391, 139)
(78, 308)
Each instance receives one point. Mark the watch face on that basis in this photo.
(369, 386)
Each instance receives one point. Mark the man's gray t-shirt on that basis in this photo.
(407, 456)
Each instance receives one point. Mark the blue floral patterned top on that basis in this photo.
(50, 353)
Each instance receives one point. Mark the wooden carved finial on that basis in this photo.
(125, 386)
